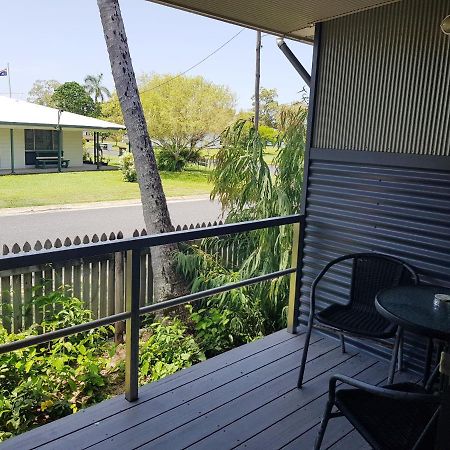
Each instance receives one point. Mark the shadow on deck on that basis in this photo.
(244, 398)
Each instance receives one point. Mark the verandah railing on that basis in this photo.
(133, 249)
(98, 281)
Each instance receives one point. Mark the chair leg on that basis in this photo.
(323, 425)
(428, 358)
(395, 351)
(342, 342)
(304, 356)
(400, 354)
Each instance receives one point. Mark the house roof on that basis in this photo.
(17, 113)
(294, 19)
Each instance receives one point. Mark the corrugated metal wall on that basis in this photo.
(384, 205)
(384, 80)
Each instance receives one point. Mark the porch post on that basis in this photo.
(294, 282)
(11, 137)
(60, 144)
(94, 151)
(299, 229)
(98, 150)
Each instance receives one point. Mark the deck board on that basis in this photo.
(245, 398)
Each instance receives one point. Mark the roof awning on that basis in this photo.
(294, 19)
(17, 113)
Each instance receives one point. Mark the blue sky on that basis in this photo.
(63, 40)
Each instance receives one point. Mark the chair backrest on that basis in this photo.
(373, 272)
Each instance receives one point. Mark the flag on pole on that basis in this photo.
(3, 72)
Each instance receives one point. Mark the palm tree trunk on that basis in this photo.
(156, 213)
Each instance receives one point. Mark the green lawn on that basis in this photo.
(78, 187)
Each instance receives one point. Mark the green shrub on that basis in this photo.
(175, 160)
(126, 164)
(167, 348)
(236, 316)
(41, 383)
(212, 329)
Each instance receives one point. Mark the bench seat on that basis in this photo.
(43, 161)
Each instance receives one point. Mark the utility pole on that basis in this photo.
(257, 77)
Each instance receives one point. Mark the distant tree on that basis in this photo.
(94, 87)
(183, 112)
(42, 91)
(111, 110)
(268, 107)
(72, 97)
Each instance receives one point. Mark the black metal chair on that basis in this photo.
(371, 272)
(396, 417)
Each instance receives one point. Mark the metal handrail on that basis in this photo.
(133, 247)
(33, 258)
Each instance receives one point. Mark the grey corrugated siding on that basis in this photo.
(384, 80)
(354, 207)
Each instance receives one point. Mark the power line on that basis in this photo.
(195, 65)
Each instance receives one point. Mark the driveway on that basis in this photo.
(79, 220)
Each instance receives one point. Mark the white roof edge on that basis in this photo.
(25, 114)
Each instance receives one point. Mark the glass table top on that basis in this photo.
(415, 308)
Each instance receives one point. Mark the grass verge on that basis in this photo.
(82, 187)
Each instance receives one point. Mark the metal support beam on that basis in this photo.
(133, 282)
(294, 61)
(11, 138)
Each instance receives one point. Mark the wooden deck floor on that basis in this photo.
(245, 399)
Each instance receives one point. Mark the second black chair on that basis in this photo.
(371, 272)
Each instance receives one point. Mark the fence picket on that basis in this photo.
(6, 302)
(27, 299)
(17, 302)
(110, 276)
(103, 285)
(94, 288)
(38, 290)
(119, 295)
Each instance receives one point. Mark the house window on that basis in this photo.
(41, 140)
(38, 141)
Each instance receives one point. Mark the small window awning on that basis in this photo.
(294, 19)
(17, 113)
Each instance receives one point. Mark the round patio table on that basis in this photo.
(415, 309)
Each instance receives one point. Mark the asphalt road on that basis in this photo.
(61, 223)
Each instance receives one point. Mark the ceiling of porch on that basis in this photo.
(291, 18)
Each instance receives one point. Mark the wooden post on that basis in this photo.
(294, 285)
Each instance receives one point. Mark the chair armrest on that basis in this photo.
(353, 256)
(380, 391)
(321, 275)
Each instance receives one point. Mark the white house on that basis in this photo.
(32, 134)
